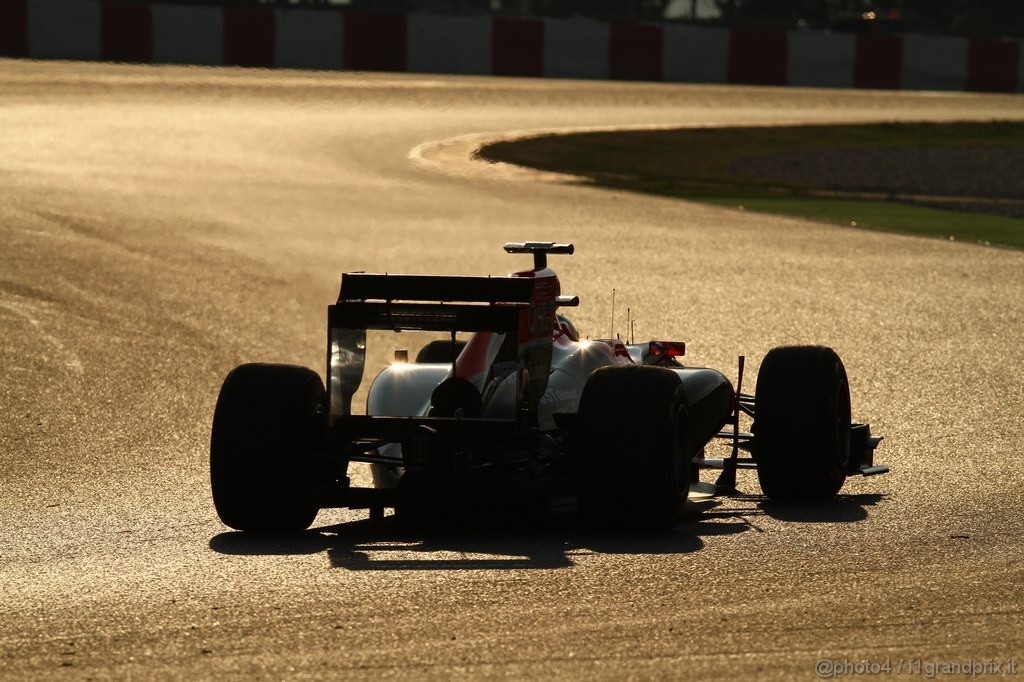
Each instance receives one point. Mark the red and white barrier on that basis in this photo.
(562, 48)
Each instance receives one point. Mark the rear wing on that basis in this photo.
(430, 302)
(522, 308)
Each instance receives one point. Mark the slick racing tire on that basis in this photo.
(269, 421)
(439, 351)
(802, 423)
(634, 448)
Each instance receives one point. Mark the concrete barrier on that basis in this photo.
(64, 29)
(188, 35)
(694, 54)
(440, 44)
(576, 48)
(821, 60)
(934, 63)
(311, 38)
(308, 40)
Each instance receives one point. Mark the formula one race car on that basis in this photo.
(524, 409)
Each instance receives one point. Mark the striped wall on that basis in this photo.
(562, 48)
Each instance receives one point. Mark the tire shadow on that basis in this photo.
(841, 509)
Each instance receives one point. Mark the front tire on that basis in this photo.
(269, 421)
(635, 447)
(802, 423)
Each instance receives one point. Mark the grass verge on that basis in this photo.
(707, 165)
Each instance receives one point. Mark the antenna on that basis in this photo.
(611, 334)
(627, 325)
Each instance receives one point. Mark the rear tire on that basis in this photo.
(635, 448)
(269, 421)
(802, 423)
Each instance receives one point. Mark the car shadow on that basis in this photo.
(558, 542)
(388, 545)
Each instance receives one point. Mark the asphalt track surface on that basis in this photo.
(163, 224)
